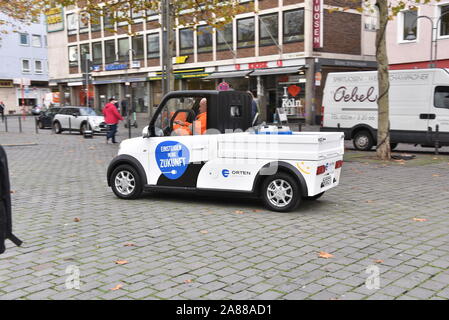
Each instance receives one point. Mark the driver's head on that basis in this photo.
(203, 105)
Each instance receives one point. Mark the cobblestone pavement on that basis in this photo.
(179, 247)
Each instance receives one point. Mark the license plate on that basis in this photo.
(326, 181)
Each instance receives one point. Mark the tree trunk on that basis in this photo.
(383, 121)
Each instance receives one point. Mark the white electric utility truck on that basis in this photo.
(231, 158)
(419, 107)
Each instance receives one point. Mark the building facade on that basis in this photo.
(411, 39)
(281, 51)
(24, 71)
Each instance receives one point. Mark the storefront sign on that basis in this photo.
(6, 84)
(317, 23)
(113, 66)
(55, 19)
(181, 59)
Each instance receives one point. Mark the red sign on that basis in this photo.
(257, 65)
(317, 23)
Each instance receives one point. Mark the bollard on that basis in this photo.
(6, 124)
(20, 124)
(437, 138)
(35, 124)
(70, 125)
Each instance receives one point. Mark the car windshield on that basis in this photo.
(88, 112)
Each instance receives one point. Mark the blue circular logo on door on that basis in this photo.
(172, 158)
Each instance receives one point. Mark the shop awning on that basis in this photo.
(230, 74)
(266, 72)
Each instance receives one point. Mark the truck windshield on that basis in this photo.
(177, 108)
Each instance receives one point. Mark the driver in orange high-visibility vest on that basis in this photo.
(185, 127)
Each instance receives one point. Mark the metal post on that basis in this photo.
(70, 125)
(6, 124)
(20, 124)
(35, 125)
(437, 138)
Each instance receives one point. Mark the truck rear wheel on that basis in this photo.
(280, 192)
(363, 141)
(125, 182)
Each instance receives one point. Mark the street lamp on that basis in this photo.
(433, 36)
(128, 96)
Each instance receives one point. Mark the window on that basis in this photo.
(444, 24)
(186, 41)
(410, 27)
(84, 50)
(123, 50)
(109, 51)
(38, 66)
(73, 56)
(95, 24)
(441, 97)
(151, 14)
(137, 16)
(137, 42)
(72, 24)
(293, 26)
(84, 22)
(25, 66)
(24, 39)
(204, 39)
(268, 29)
(153, 45)
(97, 53)
(36, 40)
(107, 22)
(245, 33)
(224, 38)
(121, 15)
(176, 108)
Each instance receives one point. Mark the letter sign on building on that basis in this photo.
(317, 32)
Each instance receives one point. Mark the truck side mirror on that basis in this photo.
(146, 132)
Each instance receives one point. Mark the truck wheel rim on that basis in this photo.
(279, 193)
(362, 141)
(125, 182)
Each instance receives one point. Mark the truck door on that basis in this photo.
(175, 156)
(439, 114)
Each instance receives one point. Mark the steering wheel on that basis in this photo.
(172, 120)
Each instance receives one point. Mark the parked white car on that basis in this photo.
(79, 119)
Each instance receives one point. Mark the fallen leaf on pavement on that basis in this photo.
(435, 175)
(119, 286)
(369, 201)
(325, 255)
(121, 262)
(129, 244)
(239, 212)
(76, 220)
(379, 261)
(257, 210)
(204, 231)
(91, 148)
(188, 281)
(419, 219)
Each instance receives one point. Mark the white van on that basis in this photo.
(419, 107)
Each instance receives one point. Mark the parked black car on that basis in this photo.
(45, 119)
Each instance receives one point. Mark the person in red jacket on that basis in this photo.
(111, 117)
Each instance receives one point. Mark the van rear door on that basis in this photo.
(440, 113)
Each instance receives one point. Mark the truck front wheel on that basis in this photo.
(125, 182)
(280, 192)
(363, 141)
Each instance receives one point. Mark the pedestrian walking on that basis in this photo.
(254, 108)
(2, 110)
(112, 118)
